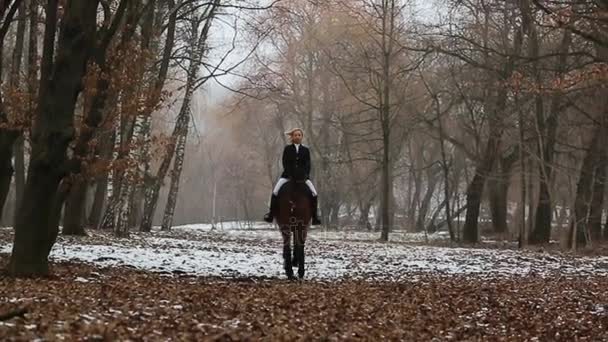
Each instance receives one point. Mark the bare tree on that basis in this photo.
(198, 47)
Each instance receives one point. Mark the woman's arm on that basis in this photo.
(307, 163)
(286, 164)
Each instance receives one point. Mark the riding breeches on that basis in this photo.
(282, 181)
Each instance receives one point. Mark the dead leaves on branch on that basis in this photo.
(82, 301)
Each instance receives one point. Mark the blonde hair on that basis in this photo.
(293, 130)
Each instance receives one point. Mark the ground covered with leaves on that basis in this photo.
(82, 301)
(198, 283)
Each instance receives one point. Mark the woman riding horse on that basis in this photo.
(296, 166)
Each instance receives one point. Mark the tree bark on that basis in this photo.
(101, 188)
(498, 204)
(6, 168)
(475, 189)
(74, 212)
(19, 157)
(99, 197)
(432, 180)
(35, 230)
(417, 181)
(388, 21)
(15, 82)
(121, 206)
(446, 173)
(596, 206)
(579, 226)
(176, 173)
(364, 214)
(498, 187)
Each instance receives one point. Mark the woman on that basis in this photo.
(296, 166)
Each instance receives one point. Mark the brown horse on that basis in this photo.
(294, 215)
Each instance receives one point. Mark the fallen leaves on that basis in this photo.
(118, 303)
(355, 290)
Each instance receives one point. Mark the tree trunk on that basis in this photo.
(101, 187)
(364, 215)
(546, 147)
(15, 82)
(498, 187)
(386, 185)
(178, 164)
(431, 227)
(122, 210)
(475, 189)
(35, 230)
(74, 212)
(446, 174)
(414, 203)
(136, 206)
(596, 206)
(122, 205)
(387, 13)
(426, 200)
(149, 180)
(498, 204)
(19, 152)
(6, 168)
(152, 192)
(578, 236)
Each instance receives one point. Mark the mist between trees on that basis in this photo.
(471, 116)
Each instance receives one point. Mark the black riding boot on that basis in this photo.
(315, 215)
(273, 209)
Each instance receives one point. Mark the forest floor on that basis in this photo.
(195, 283)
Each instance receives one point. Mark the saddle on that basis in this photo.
(297, 186)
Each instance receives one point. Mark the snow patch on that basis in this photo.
(329, 255)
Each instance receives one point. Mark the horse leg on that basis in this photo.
(299, 251)
(287, 253)
(295, 261)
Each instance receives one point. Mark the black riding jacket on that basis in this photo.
(296, 165)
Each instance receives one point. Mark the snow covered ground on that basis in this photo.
(255, 251)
